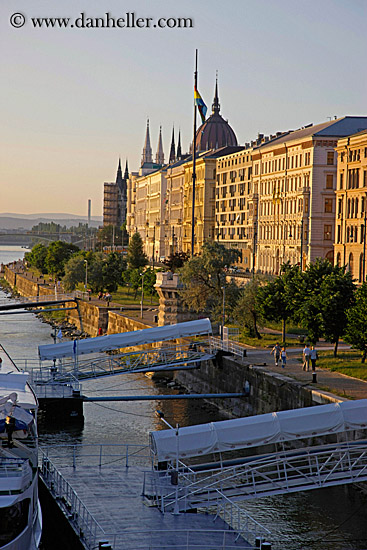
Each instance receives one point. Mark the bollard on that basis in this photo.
(314, 377)
(258, 541)
(106, 546)
(102, 544)
(266, 546)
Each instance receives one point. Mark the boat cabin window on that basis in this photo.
(13, 520)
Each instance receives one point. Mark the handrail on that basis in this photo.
(131, 452)
(84, 523)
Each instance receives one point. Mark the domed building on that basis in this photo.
(215, 132)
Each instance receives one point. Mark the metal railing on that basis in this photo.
(169, 357)
(178, 539)
(99, 455)
(273, 474)
(84, 524)
(227, 345)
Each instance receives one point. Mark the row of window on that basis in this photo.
(354, 155)
(350, 265)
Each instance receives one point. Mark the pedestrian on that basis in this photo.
(313, 356)
(1, 362)
(276, 352)
(283, 357)
(306, 357)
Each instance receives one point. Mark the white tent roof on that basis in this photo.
(258, 430)
(125, 339)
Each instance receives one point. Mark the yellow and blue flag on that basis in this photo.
(200, 104)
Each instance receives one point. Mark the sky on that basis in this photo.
(74, 100)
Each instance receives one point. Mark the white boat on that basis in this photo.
(20, 512)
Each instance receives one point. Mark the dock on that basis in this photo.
(100, 490)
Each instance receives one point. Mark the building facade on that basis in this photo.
(115, 199)
(351, 204)
(294, 178)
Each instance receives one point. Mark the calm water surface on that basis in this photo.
(328, 519)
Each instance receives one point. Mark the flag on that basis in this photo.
(200, 104)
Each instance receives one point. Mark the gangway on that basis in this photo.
(286, 468)
(151, 360)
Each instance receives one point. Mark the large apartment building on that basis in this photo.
(351, 204)
(276, 198)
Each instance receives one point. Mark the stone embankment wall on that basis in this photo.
(268, 392)
(88, 317)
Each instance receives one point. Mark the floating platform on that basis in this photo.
(100, 493)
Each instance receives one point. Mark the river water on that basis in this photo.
(328, 519)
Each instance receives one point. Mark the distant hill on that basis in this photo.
(27, 221)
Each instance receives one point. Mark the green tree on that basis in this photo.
(136, 258)
(204, 276)
(324, 295)
(37, 257)
(176, 261)
(58, 253)
(278, 299)
(248, 312)
(135, 280)
(74, 272)
(337, 292)
(356, 330)
(112, 270)
(95, 272)
(150, 278)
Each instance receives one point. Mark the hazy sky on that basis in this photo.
(74, 100)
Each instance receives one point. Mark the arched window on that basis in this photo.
(338, 260)
(330, 256)
(350, 263)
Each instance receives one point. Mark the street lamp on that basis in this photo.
(224, 310)
(142, 294)
(86, 275)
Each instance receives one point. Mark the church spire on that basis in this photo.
(147, 150)
(159, 158)
(126, 174)
(172, 153)
(216, 104)
(119, 180)
(179, 152)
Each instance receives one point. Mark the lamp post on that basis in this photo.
(223, 310)
(364, 240)
(86, 275)
(153, 245)
(301, 264)
(142, 294)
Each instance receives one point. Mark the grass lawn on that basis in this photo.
(124, 297)
(348, 362)
(267, 340)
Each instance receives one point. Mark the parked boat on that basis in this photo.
(20, 512)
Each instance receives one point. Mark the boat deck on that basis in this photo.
(112, 494)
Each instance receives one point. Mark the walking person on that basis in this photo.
(283, 357)
(276, 352)
(306, 357)
(313, 357)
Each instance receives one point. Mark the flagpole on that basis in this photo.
(194, 161)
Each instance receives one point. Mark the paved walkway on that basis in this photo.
(333, 382)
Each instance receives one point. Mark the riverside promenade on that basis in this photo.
(333, 384)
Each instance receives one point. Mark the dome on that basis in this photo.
(215, 132)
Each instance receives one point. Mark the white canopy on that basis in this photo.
(258, 430)
(125, 339)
